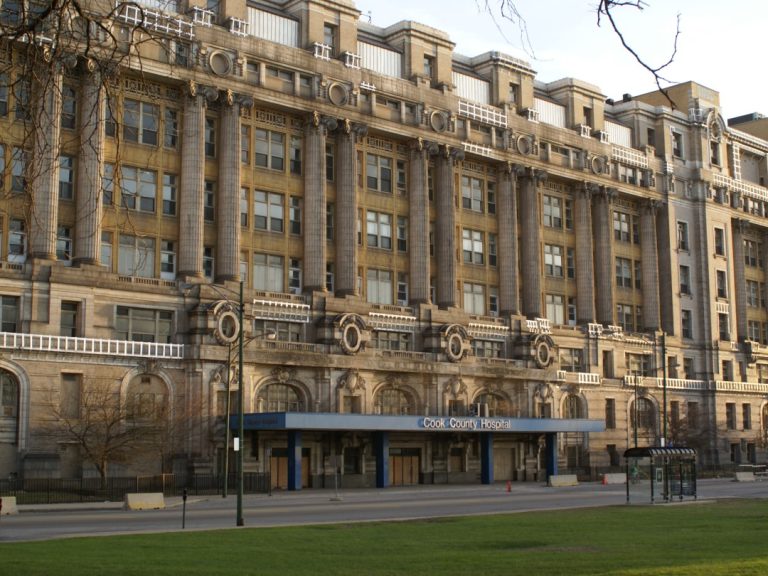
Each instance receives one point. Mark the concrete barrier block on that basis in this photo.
(745, 477)
(562, 480)
(615, 478)
(145, 501)
(9, 506)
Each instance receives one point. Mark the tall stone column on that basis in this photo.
(44, 173)
(314, 202)
(418, 225)
(649, 252)
(192, 185)
(509, 289)
(445, 232)
(530, 243)
(346, 208)
(228, 192)
(88, 199)
(738, 229)
(666, 240)
(585, 267)
(602, 227)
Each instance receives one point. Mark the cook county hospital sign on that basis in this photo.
(475, 424)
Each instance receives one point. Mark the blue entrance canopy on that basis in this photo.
(374, 423)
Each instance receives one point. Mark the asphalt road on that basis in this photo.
(45, 522)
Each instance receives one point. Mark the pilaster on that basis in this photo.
(650, 265)
(602, 227)
(738, 229)
(530, 240)
(418, 225)
(445, 235)
(509, 289)
(585, 266)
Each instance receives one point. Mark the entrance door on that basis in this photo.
(504, 464)
(403, 466)
(278, 468)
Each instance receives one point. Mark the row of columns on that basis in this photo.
(593, 209)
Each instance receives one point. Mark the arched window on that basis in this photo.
(644, 414)
(572, 407)
(9, 396)
(394, 402)
(280, 398)
(147, 398)
(497, 405)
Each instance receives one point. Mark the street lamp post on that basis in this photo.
(241, 413)
(664, 384)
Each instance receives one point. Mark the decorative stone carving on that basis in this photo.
(456, 342)
(353, 333)
(351, 381)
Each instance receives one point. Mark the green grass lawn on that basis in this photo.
(725, 538)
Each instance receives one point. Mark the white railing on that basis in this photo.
(747, 188)
(729, 386)
(589, 378)
(134, 15)
(392, 322)
(94, 346)
(477, 149)
(352, 61)
(538, 325)
(561, 375)
(203, 17)
(323, 51)
(594, 330)
(629, 156)
(481, 113)
(238, 27)
(281, 310)
(162, 5)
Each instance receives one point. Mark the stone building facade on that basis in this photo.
(417, 232)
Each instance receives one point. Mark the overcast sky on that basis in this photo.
(721, 44)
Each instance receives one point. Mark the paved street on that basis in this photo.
(43, 522)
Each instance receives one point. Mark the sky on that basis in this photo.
(719, 44)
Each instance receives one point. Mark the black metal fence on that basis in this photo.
(61, 491)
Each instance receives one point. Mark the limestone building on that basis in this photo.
(418, 233)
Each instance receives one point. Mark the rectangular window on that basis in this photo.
(17, 240)
(492, 249)
(268, 272)
(721, 283)
(572, 359)
(488, 348)
(720, 241)
(143, 325)
(625, 317)
(106, 250)
(4, 94)
(270, 149)
(169, 194)
(329, 278)
(555, 308)
(295, 155)
(68, 108)
(570, 260)
(639, 364)
(724, 327)
(385, 340)
(378, 286)
(136, 256)
(71, 395)
(402, 177)
(685, 280)
(474, 298)
(686, 324)
(294, 275)
(21, 92)
(245, 144)
(138, 188)
(553, 260)
(268, 211)
(402, 234)
(66, 177)
(730, 415)
(552, 211)
(693, 415)
(294, 215)
(209, 205)
(329, 212)
(491, 197)
(402, 289)
(210, 137)
(623, 229)
(329, 163)
(753, 254)
(746, 416)
(244, 207)
(677, 144)
(623, 273)
(610, 414)
(472, 246)
(167, 260)
(379, 230)
(69, 319)
(171, 128)
(682, 236)
(472, 193)
(64, 243)
(18, 170)
(753, 294)
(108, 184)
(378, 172)
(493, 301)
(140, 122)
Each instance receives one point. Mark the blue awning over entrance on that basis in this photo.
(370, 422)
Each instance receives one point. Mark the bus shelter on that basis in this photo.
(660, 473)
